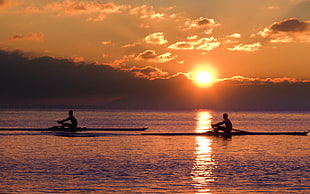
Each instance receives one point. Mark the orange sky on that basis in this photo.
(144, 53)
(256, 39)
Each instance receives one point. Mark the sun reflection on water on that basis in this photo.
(203, 121)
(203, 164)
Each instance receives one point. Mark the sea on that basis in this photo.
(128, 162)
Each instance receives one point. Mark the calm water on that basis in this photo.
(32, 162)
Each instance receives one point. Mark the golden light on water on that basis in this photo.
(203, 121)
(203, 165)
(202, 171)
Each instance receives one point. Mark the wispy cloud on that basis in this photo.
(261, 81)
(182, 45)
(106, 42)
(151, 56)
(95, 10)
(130, 45)
(146, 12)
(29, 36)
(246, 47)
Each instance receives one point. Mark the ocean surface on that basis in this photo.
(127, 162)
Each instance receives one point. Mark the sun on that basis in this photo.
(203, 77)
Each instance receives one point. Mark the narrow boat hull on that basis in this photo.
(73, 130)
(74, 134)
(210, 133)
(271, 133)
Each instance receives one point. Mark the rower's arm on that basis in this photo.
(67, 119)
(219, 123)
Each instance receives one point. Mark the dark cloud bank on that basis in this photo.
(51, 82)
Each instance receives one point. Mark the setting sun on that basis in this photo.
(203, 77)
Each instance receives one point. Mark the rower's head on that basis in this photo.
(225, 115)
(70, 112)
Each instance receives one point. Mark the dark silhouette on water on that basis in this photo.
(72, 119)
(228, 125)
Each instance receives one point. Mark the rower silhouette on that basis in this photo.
(228, 125)
(72, 119)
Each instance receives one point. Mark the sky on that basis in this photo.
(145, 54)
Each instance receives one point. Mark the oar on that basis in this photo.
(240, 130)
(213, 126)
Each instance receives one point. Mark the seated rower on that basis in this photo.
(228, 125)
(73, 124)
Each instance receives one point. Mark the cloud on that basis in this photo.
(156, 38)
(247, 47)
(96, 11)
(204, 44)
(146, 12)
(144, 26)
(104, 55)
(148, 72)
(234, 35)
(130, 45)
(151, 56)
(289, 25)
(200, 23)
(207, 44)
(288, 30)
(46, 77)
(29, 36)
(182, 45)
(106, 42)
(48, 81)
(148, 54)
(192, 37)
(69, 7)
(154, 73)
(166, 57)
(283, 39)
(242, 80)
(77, 59)
(232, 39)
(273, 8)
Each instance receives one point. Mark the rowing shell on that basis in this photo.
(211, 133)
(73, 130)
